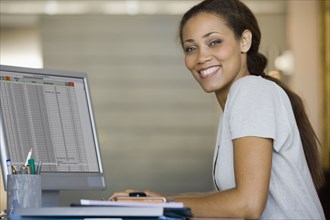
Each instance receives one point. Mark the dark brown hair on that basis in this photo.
(238, 18)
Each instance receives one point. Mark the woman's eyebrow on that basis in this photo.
(204, 36)
(210, 33)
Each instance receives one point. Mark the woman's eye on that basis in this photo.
(189, 49)
(215, 42)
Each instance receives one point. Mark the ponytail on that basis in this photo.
(239, 17)
(256, 65)
(308, 136)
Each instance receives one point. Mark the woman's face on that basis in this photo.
(212, 53)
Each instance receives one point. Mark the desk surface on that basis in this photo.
(222, 218)
(121, 212)
(81, 212)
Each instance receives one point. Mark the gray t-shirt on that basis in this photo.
(258, 107)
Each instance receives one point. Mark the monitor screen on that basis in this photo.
(50, 112)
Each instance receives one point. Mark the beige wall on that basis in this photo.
(156, 126)
(3, 195)
(305, 42)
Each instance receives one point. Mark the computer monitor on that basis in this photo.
(51, 112)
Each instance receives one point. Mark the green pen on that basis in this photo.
(32, 165)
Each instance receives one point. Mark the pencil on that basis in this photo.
(28, 157)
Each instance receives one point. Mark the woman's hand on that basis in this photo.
(128, 191)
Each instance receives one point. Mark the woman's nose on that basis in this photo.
(204, 56)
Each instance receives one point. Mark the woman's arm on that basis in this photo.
(252, 167)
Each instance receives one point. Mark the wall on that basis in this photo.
(21, 46)
(156, 126)
(305, 42)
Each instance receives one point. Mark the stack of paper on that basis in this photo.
(131, 204)
(174, 210)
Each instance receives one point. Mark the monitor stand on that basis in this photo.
(50, 198)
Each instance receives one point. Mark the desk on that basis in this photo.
(222, 218)
(75, 213)
(81, 212)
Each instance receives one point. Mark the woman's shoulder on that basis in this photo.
(253, 82)
(256, 86)
(256, 89)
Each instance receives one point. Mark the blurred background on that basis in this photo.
(156, 126)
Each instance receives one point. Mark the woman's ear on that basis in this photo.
(246, 41)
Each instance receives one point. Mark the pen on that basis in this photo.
(28, 169)
(23, 170)
(8, 162)
(39, 167)
(13, 169)
(28, 157)
(32, 166)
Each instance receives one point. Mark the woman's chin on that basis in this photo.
(208, 90)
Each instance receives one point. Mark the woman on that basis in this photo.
(266, 162)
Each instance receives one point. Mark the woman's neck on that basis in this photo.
(223, 93)
(222, 98)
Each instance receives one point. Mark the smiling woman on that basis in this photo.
(149, 112)
(213, 54)
(266, 162)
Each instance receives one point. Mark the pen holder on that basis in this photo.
(23, 191)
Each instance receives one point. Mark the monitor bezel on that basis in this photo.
(51, 181)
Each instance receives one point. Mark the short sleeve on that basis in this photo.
(256, 109)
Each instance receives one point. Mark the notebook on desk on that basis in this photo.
(170, 209)
(130, 203)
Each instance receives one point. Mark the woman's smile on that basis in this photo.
(209, 72)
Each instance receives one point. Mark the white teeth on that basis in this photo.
(209, 71)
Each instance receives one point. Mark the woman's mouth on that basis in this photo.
(209, 72)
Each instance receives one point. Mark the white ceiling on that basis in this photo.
(26, 12)
(121, 7)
